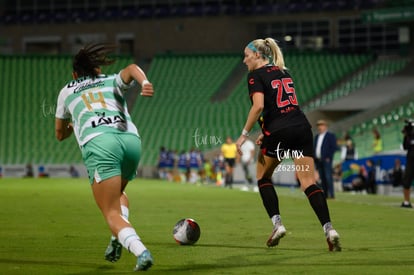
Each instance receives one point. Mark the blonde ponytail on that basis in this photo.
(269, 50)
(277, 56)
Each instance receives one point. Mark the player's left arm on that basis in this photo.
(63, 128)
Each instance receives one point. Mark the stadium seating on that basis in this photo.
(45, 12)
(389, 125)
(181, 115)
(316, 72)
(363, 78)
(28, 102)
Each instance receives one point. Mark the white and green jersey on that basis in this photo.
(96, 106)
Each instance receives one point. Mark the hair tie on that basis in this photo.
(252, 47)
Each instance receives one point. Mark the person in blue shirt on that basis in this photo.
(183, 166)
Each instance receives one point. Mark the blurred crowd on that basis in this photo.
(189, 166)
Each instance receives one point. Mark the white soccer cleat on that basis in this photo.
(279, 231)
(332, 238)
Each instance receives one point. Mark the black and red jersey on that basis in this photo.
(281, 107)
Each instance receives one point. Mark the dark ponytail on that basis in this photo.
(92, 57)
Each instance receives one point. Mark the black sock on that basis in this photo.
(317, 200)
(269, 197)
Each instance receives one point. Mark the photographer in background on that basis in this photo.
(408, 144)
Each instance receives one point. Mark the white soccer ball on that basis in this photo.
(186, 231)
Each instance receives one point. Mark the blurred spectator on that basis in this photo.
(370, 176)
(29, 171)
(73, 172)
(337, 177)
(42, 172)
(162, 163)
(218, 168)
(195, 164)
(229, 151)
(359, 182)
(396, 175)
(325, 147)
(247, 159)
(170, 164)
(183, 166)
(348, 150)
(377, 142)
(207, 175)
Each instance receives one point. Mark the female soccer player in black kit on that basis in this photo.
(286, 133)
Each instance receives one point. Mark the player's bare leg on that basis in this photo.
(305, 172)
(107, 195)
(113, 251)
(265, 168)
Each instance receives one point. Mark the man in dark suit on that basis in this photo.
(325, 147)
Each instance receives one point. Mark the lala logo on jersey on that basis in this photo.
(251, 81)
(104, 120)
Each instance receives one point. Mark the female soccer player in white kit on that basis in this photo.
(93, 107)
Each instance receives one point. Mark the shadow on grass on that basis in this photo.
(408, 246)
(227, 246)
(59, 265)
(262, 257)
(256, 257)
(233, 265)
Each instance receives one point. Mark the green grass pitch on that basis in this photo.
(52, 226)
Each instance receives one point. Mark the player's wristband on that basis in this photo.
(245, 133)
(144, 82)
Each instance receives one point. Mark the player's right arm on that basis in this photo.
(256, 93)
(134, 72)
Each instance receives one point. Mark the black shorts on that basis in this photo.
(289, 143)
(230, 161)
